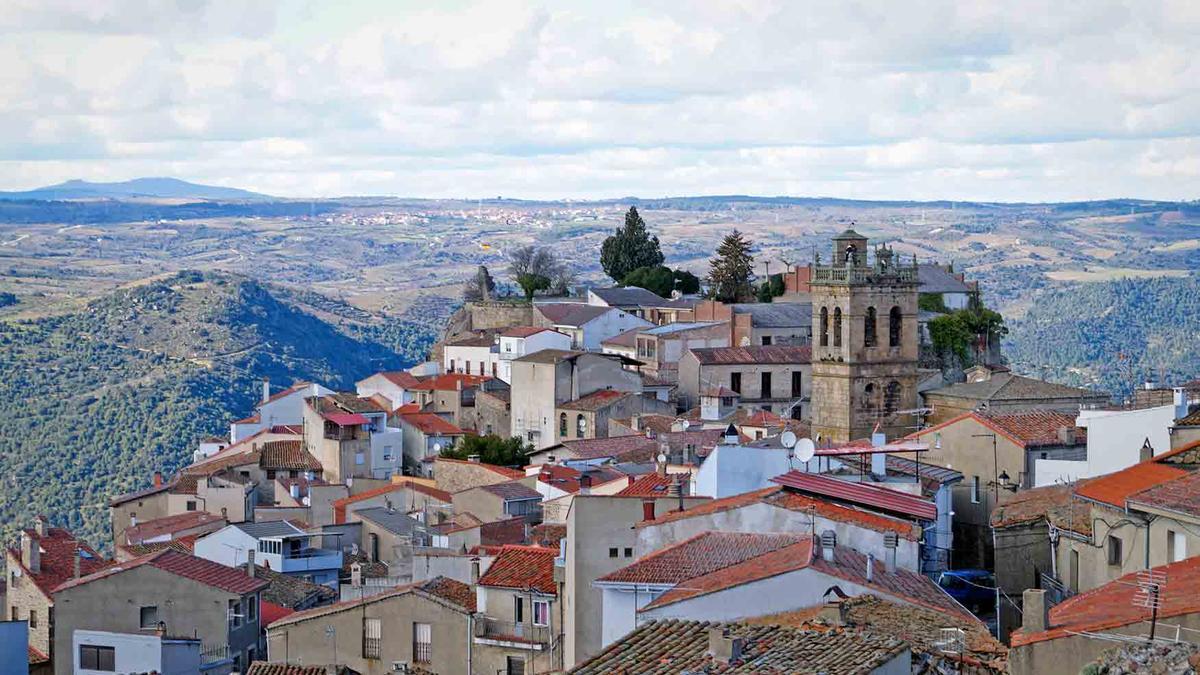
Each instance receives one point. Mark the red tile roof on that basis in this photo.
(287, 455)
(872, 496)
(567, 479)
(450, 382)
(595, 400)
(1181, 495)
(270, 612)
(57, 558)
(522, 567)
(429, 423)
(169, 525)
(1027, 429)
(447, 590)
(36, 656)
(1115, 488)
(777, 354)
(1053, 503)
(621, 447)
(1112, 605)
(400, 378)
(346, 419)
(299, 386)
(525, 331)
(786, 499)
(502, 470)
(184, 544)
(918, 589)
(513, 490)
(228, 579)
(339, 505)
(650, 485)
(706, 553)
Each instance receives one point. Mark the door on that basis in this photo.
(514, 665)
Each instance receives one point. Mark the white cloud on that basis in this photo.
(983, 100)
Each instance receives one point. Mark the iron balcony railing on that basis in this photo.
(496, 629)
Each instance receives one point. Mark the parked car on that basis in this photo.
(975, 589)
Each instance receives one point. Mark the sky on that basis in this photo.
(969, 100)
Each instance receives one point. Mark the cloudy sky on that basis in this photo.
(964, 99)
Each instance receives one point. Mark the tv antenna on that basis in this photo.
(1148, 595)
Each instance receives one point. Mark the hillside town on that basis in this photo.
(808, 478)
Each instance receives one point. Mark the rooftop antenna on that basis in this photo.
(1149, 594)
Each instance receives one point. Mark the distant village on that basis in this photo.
(612, 480)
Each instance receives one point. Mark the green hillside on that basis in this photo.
(1112, 335)
(91, 403)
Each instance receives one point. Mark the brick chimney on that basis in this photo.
(158, 478)
(77, 563)
(1035, 615)
(647, 510)
(31, 556)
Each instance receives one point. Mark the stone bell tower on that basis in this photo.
(864, 355)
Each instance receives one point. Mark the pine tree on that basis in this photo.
(629, 248)
(730, 271)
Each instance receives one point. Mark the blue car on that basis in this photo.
(974, 589)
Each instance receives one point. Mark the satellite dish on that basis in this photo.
(788, 439)
(805, 449)
(662, 458)
(437, 447)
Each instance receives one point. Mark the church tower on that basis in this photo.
(864, 354)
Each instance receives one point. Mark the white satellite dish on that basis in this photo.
(437, 447)
(788, 439)
(805, 449)
(662, 458)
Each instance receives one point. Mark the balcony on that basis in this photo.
(310, 559)
(864, 275)
(508, 633)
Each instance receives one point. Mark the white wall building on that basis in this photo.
(731, 469)
(522, 340)
(285, 407)
(99, 652)
(471, 356)
(1114, 442)
(276, 544)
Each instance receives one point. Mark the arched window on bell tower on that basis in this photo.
(869, 339)
(824, 326)
(837, 326)
(895, 329)
(891, 397)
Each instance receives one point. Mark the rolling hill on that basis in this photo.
(92, 402)
(162, 188)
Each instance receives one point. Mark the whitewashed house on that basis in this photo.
(278, 545)
(587, 325)
(279, 409)
(397, 386)
(522, 340)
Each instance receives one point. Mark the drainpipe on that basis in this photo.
(999, 625)
(470, 640)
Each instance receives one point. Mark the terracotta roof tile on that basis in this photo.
(523, 567)
(1115, 488)
(596, 400)
(623, 448)
(548, 534)
(271, 668)
(1181, 495)
(773, 354)
(650, 485)
(673, 647)
(1053, 503)
(169, 525)
(455, 591)
(861, 494)
(700, 555)
(567, 479)
(511, 490)
(1007, 386)
(184, 544)
(918, 589)
(449, 382)
(229, 579)
(1112, 605)
(429, 423)
(287, 455)
(494, 468)
(340, 505)
(57, 558)
(1036, 428)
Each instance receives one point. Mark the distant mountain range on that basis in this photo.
(163, 188)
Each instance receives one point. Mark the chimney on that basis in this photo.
(1147, 451)
(294, 490)
(647, 510)
(834, 612)
(474, 571)
(660, 467)
(1066, 435)
(828, 544)
(41, 526)
(458, 384)
(356, 575)
(250, 563)
(157, 479)
(1035, 615)
(731, 435)
(585, 484)
(266, 389)
(635, 421)
(891, 542)
(879, 464)
(1180, 399)
(870, 567)
(76, 562)
(724, 648)
(31, 555)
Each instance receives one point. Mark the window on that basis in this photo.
(562, 424)
(33, 618)
(422, 642)
(974, 489)
(765, 385)
(451, 369)
(514, 665)
(1112, 550)
(1073, 571)
(468, 366)
(1176, 546)
(482, 370)
(92, 657)
(252, 609)
(493, 369)
(541, 613)
(766, 340)
(372, 636)
(612, 552)
(895, 331)
(235, 613)
(735, 382)
(359, 458)
(13, 611)
(149, 616)
(869, 339)
(518, 609)
(191, 505)
(628, 552)
(580, 425)
(824, 327)
(837, 326)
(797, 384)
